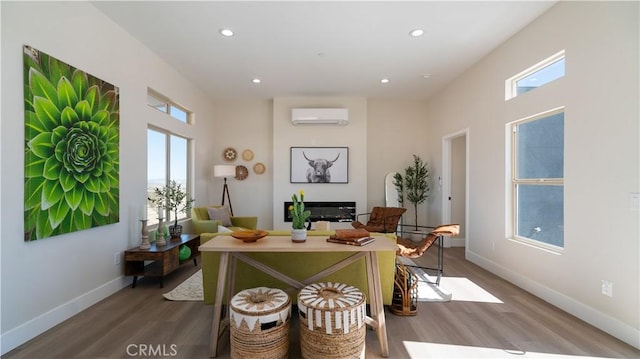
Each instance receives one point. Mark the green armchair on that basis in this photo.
(202, 223)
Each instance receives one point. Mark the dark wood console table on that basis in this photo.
(165, 258)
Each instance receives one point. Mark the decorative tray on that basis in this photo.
(249, 235)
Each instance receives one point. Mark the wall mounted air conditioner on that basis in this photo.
(320, 116)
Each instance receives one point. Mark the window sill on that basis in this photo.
(538, 245)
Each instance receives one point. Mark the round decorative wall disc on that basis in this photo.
(229, 154)
(259, 168)
(247, 155)
(241, 173)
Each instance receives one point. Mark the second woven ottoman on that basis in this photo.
(332, 321)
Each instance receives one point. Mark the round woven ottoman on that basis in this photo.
(260, 319)
(332, 321)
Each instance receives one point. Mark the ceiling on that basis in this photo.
(322, 48)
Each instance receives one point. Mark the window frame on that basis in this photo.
(168, 105)
(167, 176)
(515, 181)
(511, 84)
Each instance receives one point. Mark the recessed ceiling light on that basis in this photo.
(416, 32)
(256, 81)
(226, 32)
(426, 76)
(385, 81)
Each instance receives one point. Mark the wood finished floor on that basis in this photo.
(521, 326)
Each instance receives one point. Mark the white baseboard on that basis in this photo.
(602, 321)
(36, 326)
(454, 242)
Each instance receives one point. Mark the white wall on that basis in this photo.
(286, 135)
(49, 280)
(243, 125)
(600, 92)
(397, 129)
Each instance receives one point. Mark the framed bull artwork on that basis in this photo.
(319, 165)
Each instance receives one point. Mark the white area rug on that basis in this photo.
(189, 290)
(427, 290)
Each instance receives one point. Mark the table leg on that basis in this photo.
(217, 306)
(231, 290)
(376, 303)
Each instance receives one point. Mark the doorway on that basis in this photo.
(455, 184)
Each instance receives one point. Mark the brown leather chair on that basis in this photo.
(381, 219)
(409, 249)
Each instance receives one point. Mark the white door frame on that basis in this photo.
(446, 187)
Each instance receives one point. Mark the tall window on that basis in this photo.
(537, 179)
(167, 159)
(167, 153)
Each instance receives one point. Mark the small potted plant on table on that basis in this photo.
(299, 216)
(172, 197)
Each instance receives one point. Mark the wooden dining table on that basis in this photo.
(232, 249)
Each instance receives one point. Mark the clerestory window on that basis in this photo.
(536, 76)
(161, 103)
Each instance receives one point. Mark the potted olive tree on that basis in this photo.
(414, 184)
(172, 197)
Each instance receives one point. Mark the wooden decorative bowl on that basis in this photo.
(249, 235)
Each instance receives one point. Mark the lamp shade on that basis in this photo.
(224, 171)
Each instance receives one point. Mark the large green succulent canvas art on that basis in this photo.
(71, 148)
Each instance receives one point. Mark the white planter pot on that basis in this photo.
(299, 235)
(416, 236)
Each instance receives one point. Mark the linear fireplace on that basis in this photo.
(326, 211)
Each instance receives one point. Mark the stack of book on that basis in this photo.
(353, 237)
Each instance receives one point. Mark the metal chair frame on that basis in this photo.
(440, 256)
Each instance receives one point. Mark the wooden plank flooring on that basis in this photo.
(522, 326)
